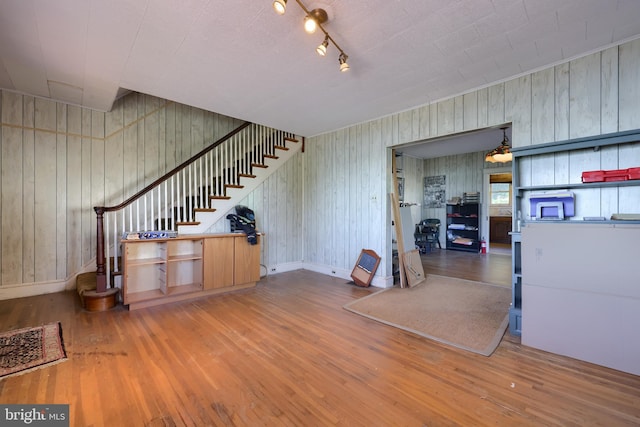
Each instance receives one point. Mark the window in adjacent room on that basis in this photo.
(500, 193)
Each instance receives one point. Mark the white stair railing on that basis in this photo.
(173, 199)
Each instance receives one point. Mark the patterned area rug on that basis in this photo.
(24, 350)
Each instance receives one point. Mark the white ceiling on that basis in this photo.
(241, 59)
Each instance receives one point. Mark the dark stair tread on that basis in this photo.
(258, 165)
(188, 223)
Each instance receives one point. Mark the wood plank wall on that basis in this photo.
(59, 160)
(322, 209)
(596, 94)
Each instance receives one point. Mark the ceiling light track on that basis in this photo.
(313, 20)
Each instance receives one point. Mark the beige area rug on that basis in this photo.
(469, 315)
(23, 350)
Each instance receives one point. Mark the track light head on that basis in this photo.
(322, 48)
(342, 59)
(315, 17)
(280, 6)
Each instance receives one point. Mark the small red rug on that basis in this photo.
(23, 350)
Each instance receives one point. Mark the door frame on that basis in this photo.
(486, 199)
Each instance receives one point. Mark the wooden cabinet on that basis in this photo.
(159, 271)
(219, 265)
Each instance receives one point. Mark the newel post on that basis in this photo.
(101, 276)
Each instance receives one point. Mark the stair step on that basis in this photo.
(219, 197)
(281, 147)
(233, 186)
(246, 175)
(188, 223)
(271, 156)
(286, 138)
(258, 165)
(204, 210)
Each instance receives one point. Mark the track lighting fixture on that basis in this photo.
(322, 48)
(502, 153)
(280, 6)
(342, 60)
(312, 21)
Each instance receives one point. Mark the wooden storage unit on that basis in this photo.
(158, 271)
(463, 227)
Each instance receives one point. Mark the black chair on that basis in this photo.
(427, 234)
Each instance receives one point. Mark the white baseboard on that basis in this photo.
(378, 281)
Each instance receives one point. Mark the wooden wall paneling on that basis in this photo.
(141, 165)
(342, 221)
(74, 189)
(496, 105)
(483, 108)
(433, 119)
(170, 136)
(45, 197)
(61, 191)
(377, 201)
(470, 111)
(162, 138)
(405, 129)
(424, 115)
(629, 85)
(86, 215)
(609, 91)
(415, 122)
(446, 117)
(352, 204)
(609, 159)
(149, 123)
(458, 113)
(284, 206)
(561, 111)
(543, 106)
(587, 201)
(130, 164)
(274, 225)
(584, 96)
(629, 196)
(98, 159)
(517, 93)
(28, 191)
(11, 189)
(114, 154)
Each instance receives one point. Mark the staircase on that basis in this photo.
(191, 198)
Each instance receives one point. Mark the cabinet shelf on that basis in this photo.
(160, 271)
(463, 231)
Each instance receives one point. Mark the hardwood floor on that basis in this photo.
(287, 353)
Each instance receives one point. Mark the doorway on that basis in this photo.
(498, 218)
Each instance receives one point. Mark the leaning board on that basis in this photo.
(365, 267)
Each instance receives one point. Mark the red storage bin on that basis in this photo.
(634, 173)
(605, 176)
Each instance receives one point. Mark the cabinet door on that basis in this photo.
(218, 262)
(247, 265)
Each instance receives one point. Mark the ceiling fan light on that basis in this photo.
(502, 153)
(280, 6)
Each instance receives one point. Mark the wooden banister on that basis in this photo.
(101, 279)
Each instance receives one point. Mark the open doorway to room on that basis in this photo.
(498, 203)
(457, 164)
